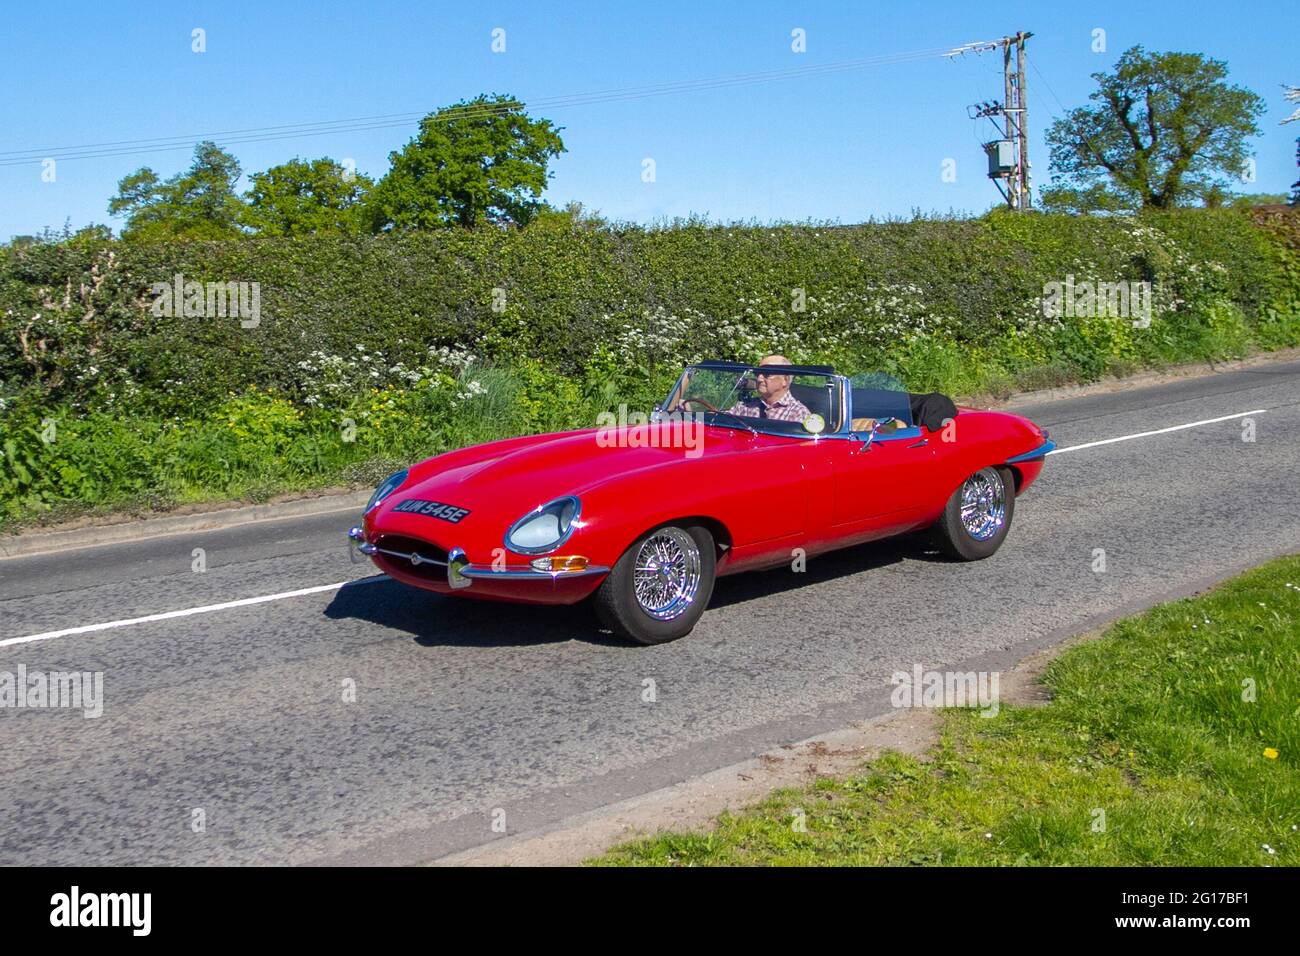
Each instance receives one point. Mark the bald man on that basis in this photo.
(773, 399)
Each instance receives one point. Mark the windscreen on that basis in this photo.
(773, 399)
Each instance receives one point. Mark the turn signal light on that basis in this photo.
(560, 563)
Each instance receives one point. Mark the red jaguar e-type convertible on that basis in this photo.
(643, 515)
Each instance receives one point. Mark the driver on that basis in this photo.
(773, 399)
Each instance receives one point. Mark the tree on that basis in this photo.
(1292, 94)
(1167, 130)
(199, 203)
(479, 161)
(300, 197)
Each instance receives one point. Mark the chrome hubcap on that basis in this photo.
(667, 574)
(983, 504)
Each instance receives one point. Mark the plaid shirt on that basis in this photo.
(787, 409)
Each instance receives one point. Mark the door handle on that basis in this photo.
(919, 444)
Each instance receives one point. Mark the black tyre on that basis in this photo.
(660, 586)
(978, 515)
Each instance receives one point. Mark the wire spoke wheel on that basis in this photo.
(983, 504)
(667, 574)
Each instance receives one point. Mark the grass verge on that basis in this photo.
(1172, 740)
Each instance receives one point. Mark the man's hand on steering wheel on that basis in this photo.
(689, 401)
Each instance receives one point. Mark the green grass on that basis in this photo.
(1147, 724)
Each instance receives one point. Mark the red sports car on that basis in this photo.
(741, 467)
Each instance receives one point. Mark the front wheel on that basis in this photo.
(660, 586)
(978, 515)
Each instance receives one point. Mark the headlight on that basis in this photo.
(389, 485)
(546, 528)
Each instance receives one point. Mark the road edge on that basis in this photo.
(89, 536)
(1145, 379)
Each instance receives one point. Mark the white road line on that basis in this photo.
(322, 588)
(168, 615)
(1158, 431)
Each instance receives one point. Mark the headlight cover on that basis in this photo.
(386, 488)
(545, 528)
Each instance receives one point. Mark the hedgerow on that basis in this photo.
(405, 336)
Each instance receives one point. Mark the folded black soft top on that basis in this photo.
(931, 409)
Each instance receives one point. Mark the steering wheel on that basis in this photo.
(688, 401)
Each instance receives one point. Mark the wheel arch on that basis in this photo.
(722, 540)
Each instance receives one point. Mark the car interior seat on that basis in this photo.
(818, 400)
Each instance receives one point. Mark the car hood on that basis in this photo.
(523, 474)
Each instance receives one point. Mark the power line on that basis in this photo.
(390, 120)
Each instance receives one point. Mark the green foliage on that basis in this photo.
(258, 442)
(299, 198)
(1250, 200)
(483, 161)
(432, 340)
(1167, 130)
(200, 203)
(479, 161)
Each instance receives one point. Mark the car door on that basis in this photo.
(765, 497)
(882, 485)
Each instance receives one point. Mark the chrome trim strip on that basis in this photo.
(358, 537)
(413, 557)
(528, 574)
(1042, 451)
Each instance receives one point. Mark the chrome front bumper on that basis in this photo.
(461, 573)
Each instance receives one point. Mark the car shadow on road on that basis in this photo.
(435, 620)
(738, 588)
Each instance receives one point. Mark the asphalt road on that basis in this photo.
(468, 713)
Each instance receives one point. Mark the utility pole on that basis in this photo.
(1009, 155)
(1022, 103)
(1008, 107)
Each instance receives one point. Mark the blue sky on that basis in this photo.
(839, 146)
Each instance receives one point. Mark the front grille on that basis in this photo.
(395, 551)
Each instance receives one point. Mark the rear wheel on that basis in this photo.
(660, 586)
(978, 515)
